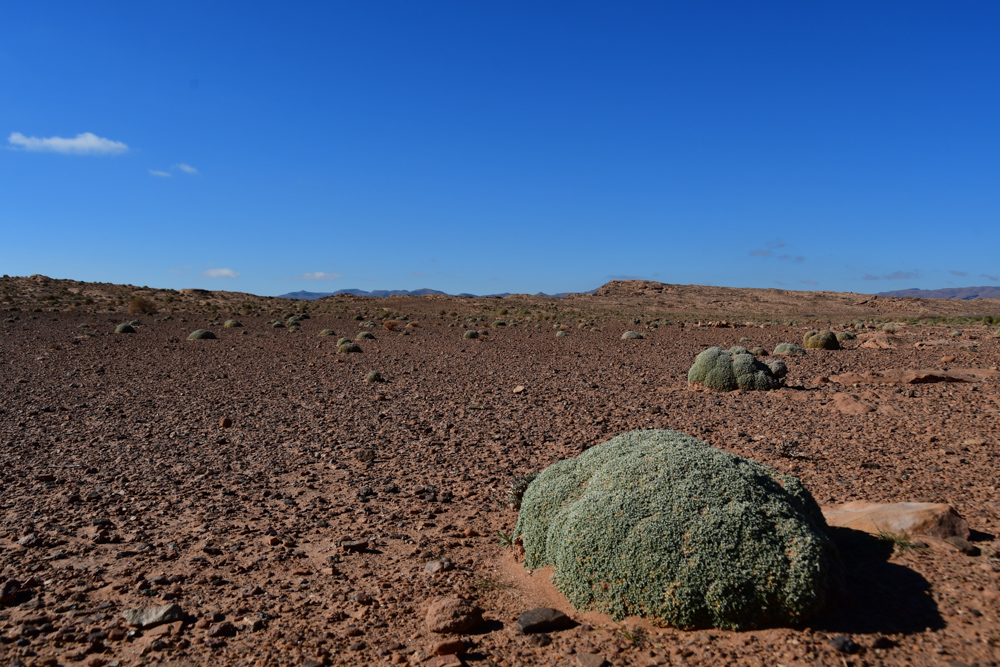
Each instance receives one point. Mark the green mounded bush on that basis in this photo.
(778, 367)
(845, 335)
(515, 493)
(349, 348)
(343, 341)
(732, 369)
(327, 332)
(660, 525)
(788, 348)
(365, 335)
(278, 325)
(124, 329)
(471, 334)
(820, 340)
(631, 335)
(135, 323)
(232, 324)
(201, 334)
(374, 376)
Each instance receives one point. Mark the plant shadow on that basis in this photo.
(877, 596)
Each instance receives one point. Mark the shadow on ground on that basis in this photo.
(877, 596)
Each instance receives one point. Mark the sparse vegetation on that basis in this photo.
(365, 335)
(788, 348)
(138, 305)
(518, 486)
(732, 369)
(349, 348)
(232, 324)
(820, 340)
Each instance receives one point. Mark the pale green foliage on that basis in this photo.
(349, 348)
(788, 348)
(845, 335)
(777, 367)
(124, 329)
(820, 340)
(470, 334)
(728, 370)
(232, 324)
(327, 332)
(365, 335)
(631, 335)
(661, 525)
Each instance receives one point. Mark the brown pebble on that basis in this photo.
(226, 422)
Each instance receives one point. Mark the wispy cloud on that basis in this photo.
(793, 258)
(316, 275)
(220, 273)
(992, 278)
(809, 282)
(186, 168)
(760, 252)
(869, 276)
(958, 273)
(87, 143)
(769, 252)
(159, 174)
(902, 275)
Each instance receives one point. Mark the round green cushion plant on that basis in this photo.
(327, 332)
(845, 335)
(201, 334)
(343, 340)
(365, 335)
(820, 340)
(468, 335)
(348, 348)
(124, 329)
(660, 525)
(788, 348)
(631, 335)
(232, 324)
(732, 369)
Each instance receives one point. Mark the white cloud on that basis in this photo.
(87, 143)
(220, 273)
(161, 174)
(186, 168)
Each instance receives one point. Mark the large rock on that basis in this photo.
(931, 519)
(661, 525)
(543, 619)
(153, 616)
(452, 615)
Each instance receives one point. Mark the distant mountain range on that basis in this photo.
(312, 296)
(965, 293)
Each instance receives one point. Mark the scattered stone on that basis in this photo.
(153, 616)
(438, 565)
(963, 545)
(354, 546)
(449, 647)
(9, 590)
(452, 615)
(224, 629)
(519, 389)
(851, 405)
(543, 619)
(225, 422)
(201, 334)
(844, 644)
(631, 335)
(931, 519)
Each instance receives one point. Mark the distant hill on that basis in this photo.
(312, 296)
(964, 293)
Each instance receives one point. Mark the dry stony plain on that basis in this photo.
(296, 513)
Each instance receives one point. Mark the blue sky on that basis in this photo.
(501, 146)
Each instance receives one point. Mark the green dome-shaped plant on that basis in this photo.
(788, 348)
(778, 367)
(758, 351)
(471, 334)
(820, 340)
(365, 335)
(845, 335)
(349, 348)
(342, 340)
(327, 332)
(124, 329)
(560, 334)
(661, 525)
(201, 334)
(631, 335)
(278, 325)
(728, 370)
(232, 324)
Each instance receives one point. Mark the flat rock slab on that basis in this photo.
(153, 616)
(931, 519)
(915, 376)
(931, 344)
(591, 660)
(543, 619)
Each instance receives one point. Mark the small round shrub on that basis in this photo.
(327, 332)
(201, 334)
(515, 494)
(499, 323)
(660, 525)
(135, 323)
(349, 348)
(631, 335)
(365, 335)
(471, 334)
(560, 334)
(758, 351)
(124, 329)
(390, 324)
(374, 376)
(845, 335)
(778, 367)
(728, 370)
(788, 348)
(232, 324)
(278, 325)
(342, 340)
(820, 340)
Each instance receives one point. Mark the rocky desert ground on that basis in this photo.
(261, 498)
